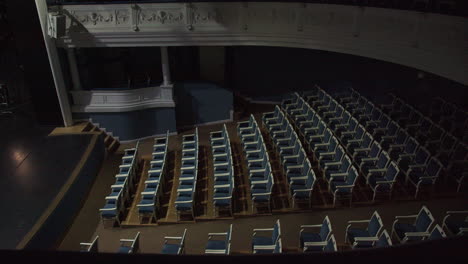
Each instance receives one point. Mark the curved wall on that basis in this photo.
(430, 42)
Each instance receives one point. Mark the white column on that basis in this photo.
(54, 61)
(165, 67)
(75, 75)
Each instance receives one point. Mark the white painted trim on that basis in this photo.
(431, 42)
(143, 138)
(98, 101)
(114, 109)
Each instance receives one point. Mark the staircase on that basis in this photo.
(111, 143)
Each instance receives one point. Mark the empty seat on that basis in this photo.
(369, 229)
(425, 176)
(383, 241)
(341, 186)
(403, 229)
(436, 233)
(129, 246)
(277, 248)
(456, 223)
(315, 235)
(383, 182)
(90, 247)
(328, 246)
(219, 243)
(266, 236)
(174, 245)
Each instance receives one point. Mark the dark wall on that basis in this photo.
(135, 124)
(112, 68)
(201, 102)
(257, 71)
(32, 55)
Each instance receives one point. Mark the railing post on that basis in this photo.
(165, 67)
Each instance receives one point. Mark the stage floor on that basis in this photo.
(33, 168)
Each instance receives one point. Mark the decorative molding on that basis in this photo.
(115, 17)
(160, 16)
(431, 42)
(98, 101)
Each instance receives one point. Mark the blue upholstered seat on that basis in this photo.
(371, 231)
(128, 246)
(422, 222)
(260, 237)
(170, 249)
(174, 245)
(308, 234)
(125, 249)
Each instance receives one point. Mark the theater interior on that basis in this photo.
(175, 130)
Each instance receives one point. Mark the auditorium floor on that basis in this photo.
(87, 224)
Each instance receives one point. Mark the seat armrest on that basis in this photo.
(358, 221)
(385, 182)
(307, 226)
(417, 234)
(262, 229)
(217, 234)
(366, 239)
(405, 216)
(312, 244)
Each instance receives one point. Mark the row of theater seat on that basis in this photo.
(123, 187)
(223, 171)
(314, 125)
(295, 163)
(368, 233)
(453, 119)
(442, 131)
(412, 133)
(150, 203)
(357, 138)
(258, 163)
(188, 176)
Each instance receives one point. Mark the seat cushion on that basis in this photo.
(258, 190)
(363, 244)
(184, 206)
(309, 237)
(402, 228)
(302, 195)
(216, 244)
(109, 213)
(263, 241)
(414, 177)
(124, 249)
(146, 209)
(356, 232)
(382, 187)
(335, 184)
(455, 225)
(170, 249)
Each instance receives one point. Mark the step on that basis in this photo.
(108, 141)
(114, 146)
(88, 127)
